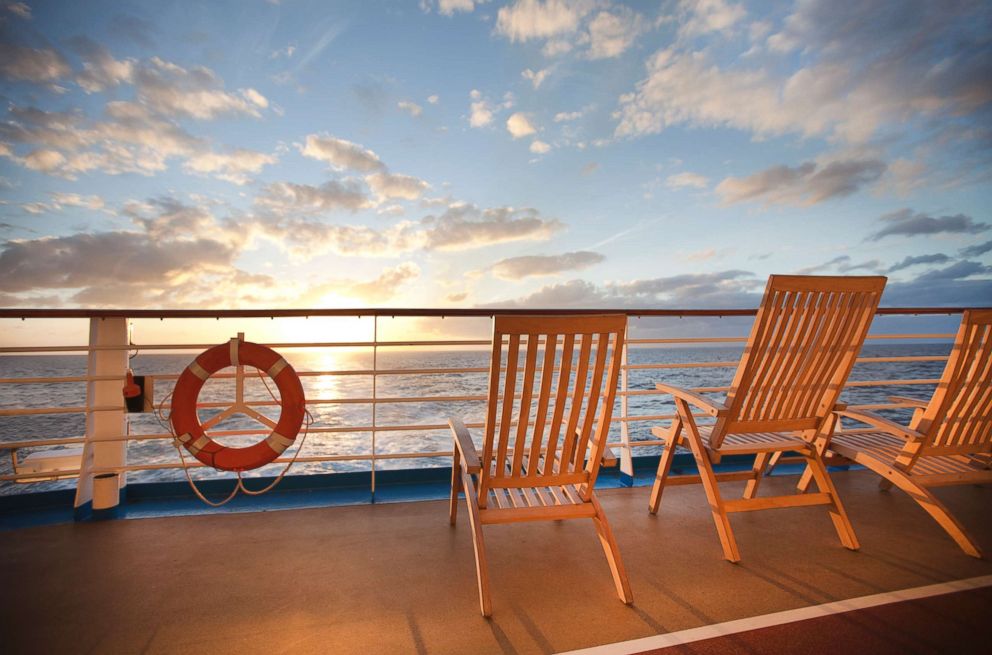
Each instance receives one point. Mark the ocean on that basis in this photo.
(326, 415)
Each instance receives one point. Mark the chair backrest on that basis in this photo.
(542, 427)
(958, 418)
(802, 346)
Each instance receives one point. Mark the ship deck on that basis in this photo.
(396, 578)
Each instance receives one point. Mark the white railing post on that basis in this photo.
(626, 459)
(99, 495)
(375, 384)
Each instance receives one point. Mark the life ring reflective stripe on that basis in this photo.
(186, 424)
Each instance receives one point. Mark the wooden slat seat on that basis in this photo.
(755, 442)
(948, 441)
(802, 347)
(541, 456)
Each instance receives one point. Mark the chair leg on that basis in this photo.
(925, 498)
(773, 462)
(760, 462)
(612, 553)
(664, 466)
(842, 524)
(478, 544)
(456, 481)
(804, 480)
(720, 518)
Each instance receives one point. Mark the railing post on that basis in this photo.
(626, 460)
(99, 495)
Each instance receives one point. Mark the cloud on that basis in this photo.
(433, 99)
(703, 16)
(333, 195)
(517, 268)
(19, 9)
(536, 78)
(481, 111)
(464, 226)
(610, 34)
(21, 63)
(131, 139)
(234, 166)
(172, 90)
(519, 125)
(387, 284)
(533, 19)
(539, 147)
(731, 288)
(687, 180)
(907, 223)
(874, 66)
(60, 201)
(290, 223)
(389, 185)
(842, 264)
(938, 258)
(411, 108)
(341, 154)
(100, 70)
(806, 184)
(450, 7)
(566, 116)
(977, 249)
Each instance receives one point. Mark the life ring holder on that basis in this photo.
(192, 434)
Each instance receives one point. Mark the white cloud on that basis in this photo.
(567, 116)
(409, 107)
(481, 111)
(539, 147)
(234, 166)
(704, 16)
(19, 62)
(433, 99)
(861, 73)
(100, 70)
(519, 126)
(197, 92)
(516, 268)
(341, 154)
(533, 19)
(610, 34)
(390, 185)
(19, 9)
(386, 285)
(333, 195)
(536, 78)
(686, 180)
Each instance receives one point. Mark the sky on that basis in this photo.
(456, 153)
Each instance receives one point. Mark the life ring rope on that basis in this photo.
(194, 437)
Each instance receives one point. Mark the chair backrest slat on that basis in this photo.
(571, 383)
(958, 417)
(802, 347)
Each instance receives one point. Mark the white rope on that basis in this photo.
(166, 423)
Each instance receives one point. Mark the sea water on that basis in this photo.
(351, 415)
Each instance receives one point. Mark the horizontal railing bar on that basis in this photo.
(24, 313)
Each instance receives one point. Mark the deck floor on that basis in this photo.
(396, 578)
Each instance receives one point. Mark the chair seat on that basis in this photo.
(556, 496)
(754, 442)
(886, 448)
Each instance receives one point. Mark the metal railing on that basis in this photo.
(622, 419)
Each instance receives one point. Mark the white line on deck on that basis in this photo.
(780, 618)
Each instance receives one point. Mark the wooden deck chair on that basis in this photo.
(544, 440)
(802, 346)
(949, 439)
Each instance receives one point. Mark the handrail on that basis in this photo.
(405, 311)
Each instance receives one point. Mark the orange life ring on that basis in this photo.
(186, 424)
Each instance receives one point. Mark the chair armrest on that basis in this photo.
(693, 398)
(463, 442)
(882, 423)
(914, 402)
